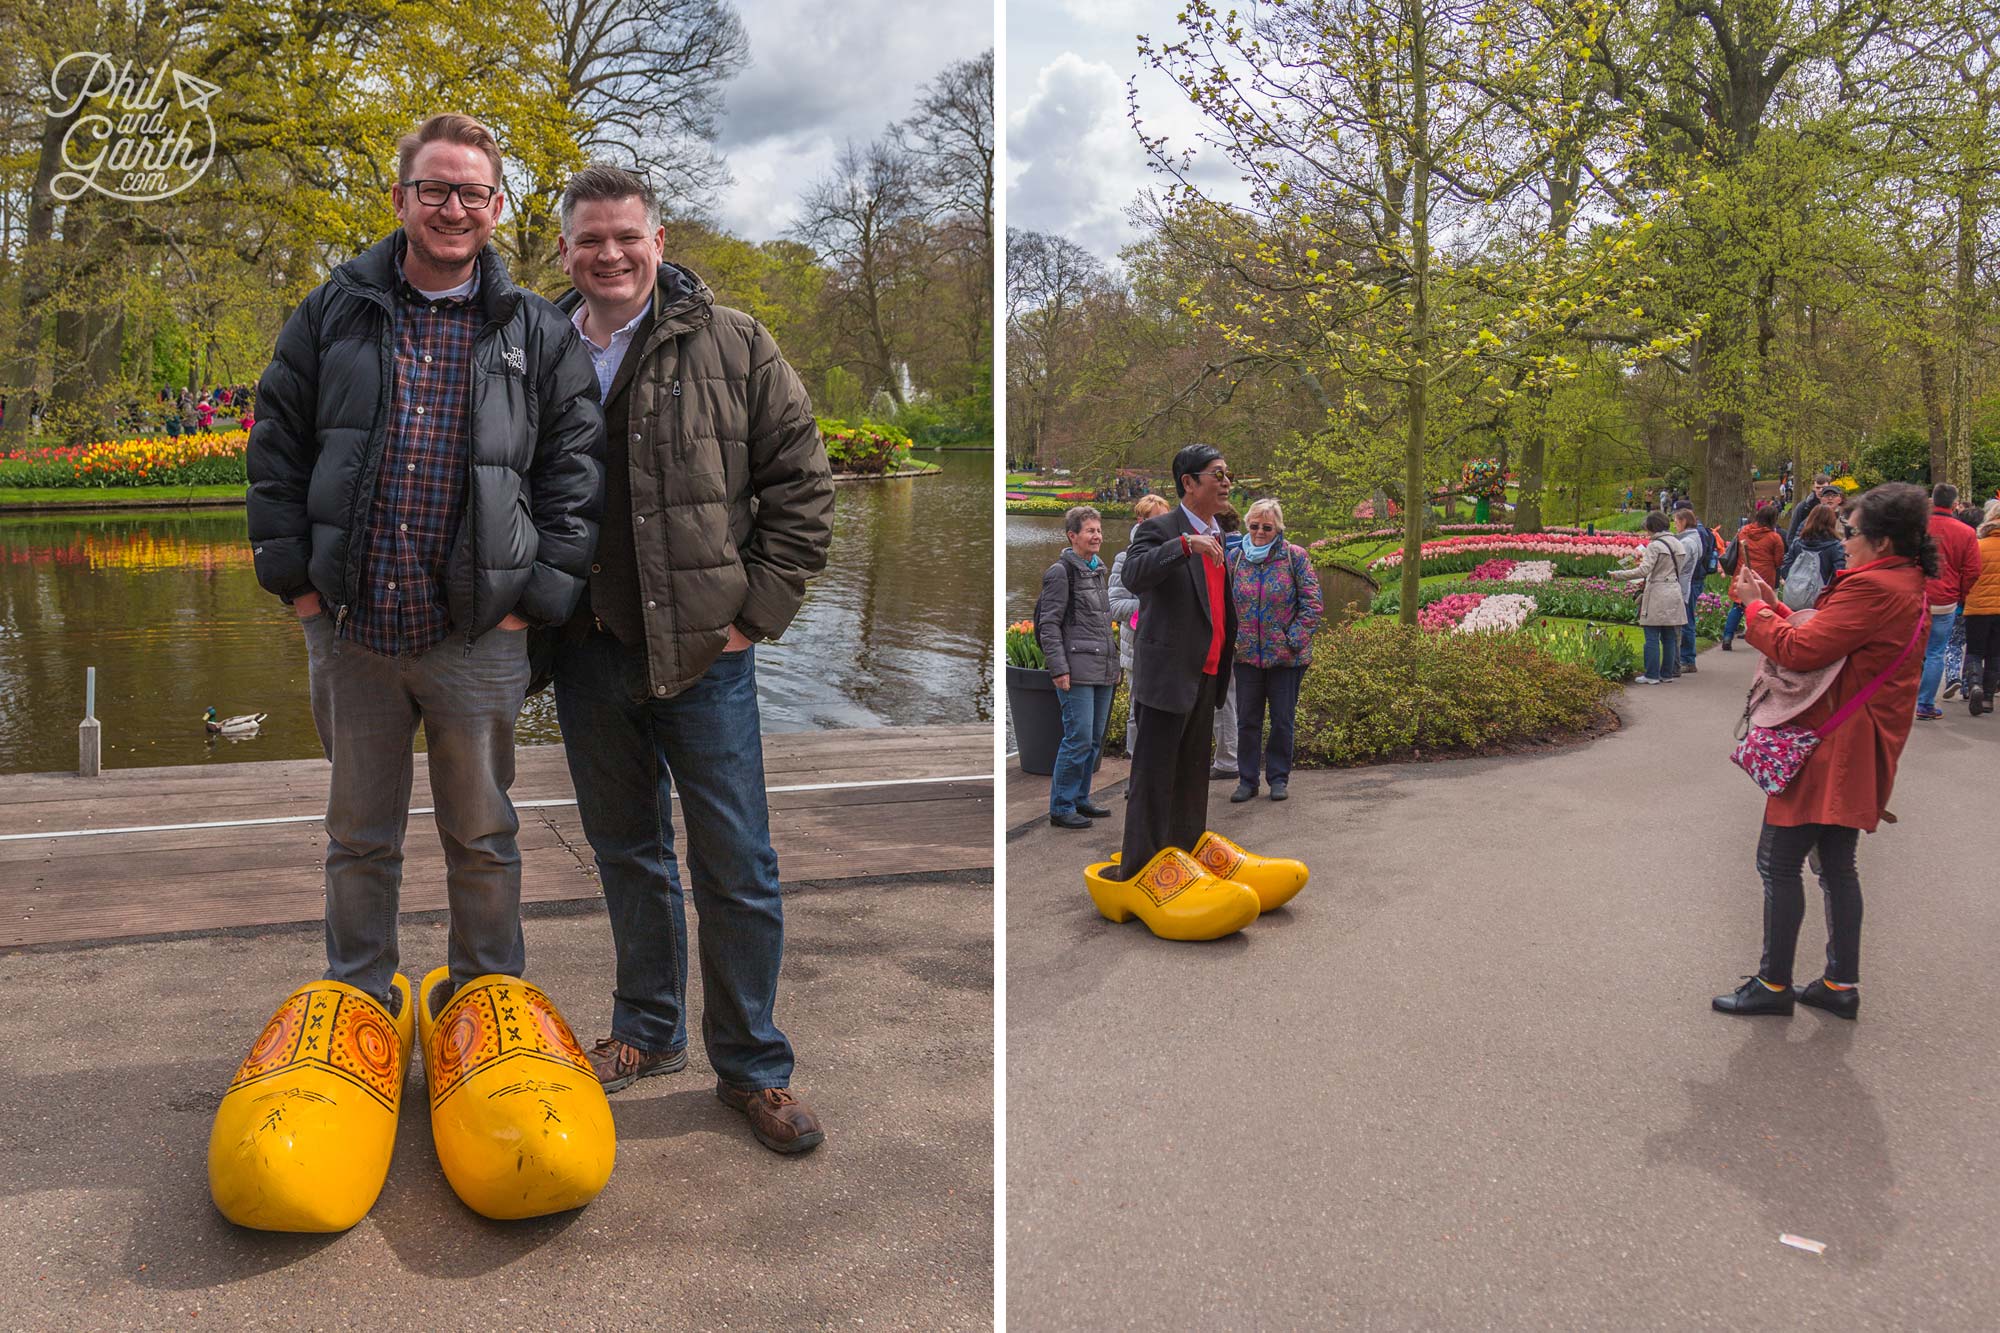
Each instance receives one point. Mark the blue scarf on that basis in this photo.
(1255, 554)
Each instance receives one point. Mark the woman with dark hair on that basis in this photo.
(1868, 623)
(1818, 541)
(1662, 578)
(1760, 548)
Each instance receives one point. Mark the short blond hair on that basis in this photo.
(1150, 506)
(449, 128)
(1266, 506)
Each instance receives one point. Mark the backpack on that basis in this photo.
(1804, 582)
(1707, 564)
(1733, 557)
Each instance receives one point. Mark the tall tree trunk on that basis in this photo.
(1965, 298)
(1534, 456)
(1932, 393)
(1416, 508)
(24, 373)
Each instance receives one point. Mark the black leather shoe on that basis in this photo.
(1975, 701)
(1726, 648)
(1244, 791)
(1840, 1003)
(1070, 820)
(1218, 773)
(1279, 791)
(1094, 811)
(1754, 997)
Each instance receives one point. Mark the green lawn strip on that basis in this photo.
(17, 497)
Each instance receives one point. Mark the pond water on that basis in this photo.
(896, 632)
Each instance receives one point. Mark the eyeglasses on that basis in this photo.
(1848, 529)
(435, 194)
(1263, 527)
(1217, 474)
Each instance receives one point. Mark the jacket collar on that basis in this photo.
(375, 272)
(682, 303)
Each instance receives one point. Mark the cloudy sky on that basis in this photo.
(1073, 162)
(821, 74)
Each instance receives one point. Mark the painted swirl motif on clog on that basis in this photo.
(332, 1029)
(1168, 877)
(488, 1025)
(1218, 855)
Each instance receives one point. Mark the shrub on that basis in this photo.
(871, 447)
(1610, 656)
(1377, 690)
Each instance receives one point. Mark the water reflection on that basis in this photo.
(896, 632)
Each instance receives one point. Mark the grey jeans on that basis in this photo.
(366, 708)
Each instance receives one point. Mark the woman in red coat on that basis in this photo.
(1872, 614)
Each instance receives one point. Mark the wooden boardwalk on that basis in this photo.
(89, 858)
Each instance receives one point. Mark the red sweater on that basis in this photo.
(1958, 570)
(1866, 615)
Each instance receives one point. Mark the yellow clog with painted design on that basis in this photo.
(1276, 880)
(522, 1125)
(1174, 896)
(303, 1137)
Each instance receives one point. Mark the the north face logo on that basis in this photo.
(516, 359)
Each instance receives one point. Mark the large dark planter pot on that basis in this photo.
(1037, 716)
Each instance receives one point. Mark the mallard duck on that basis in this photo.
(243, 724)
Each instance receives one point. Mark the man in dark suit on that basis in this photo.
(1180, 671)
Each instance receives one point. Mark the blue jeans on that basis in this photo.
(1941, 623)
(1257, 687)
(1732, 623)
(627, 751)
(1086, 711)
(1662, 649)
(1687, 630)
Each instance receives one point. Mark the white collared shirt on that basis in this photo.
(606, 360)
(1209, 526)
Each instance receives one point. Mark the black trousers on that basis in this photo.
(1256, 687)
(1781, 858)
(1982, 653)
(1168, 805)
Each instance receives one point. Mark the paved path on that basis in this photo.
(1471, 1078)
(112, 1060)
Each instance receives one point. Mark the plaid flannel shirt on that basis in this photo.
(420, 484)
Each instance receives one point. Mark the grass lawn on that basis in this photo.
(113, 496)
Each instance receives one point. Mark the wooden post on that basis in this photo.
(89, 735)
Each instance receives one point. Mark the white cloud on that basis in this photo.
(1073, 163)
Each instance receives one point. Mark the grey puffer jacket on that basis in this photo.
(1124, 611)
(732, 495)
(535, 482)
(1073, 622)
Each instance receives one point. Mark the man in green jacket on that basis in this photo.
(718, 507)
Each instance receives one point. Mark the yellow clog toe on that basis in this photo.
(1276, 880)
(304, 1134)
(1174, 897)
(521, 1122)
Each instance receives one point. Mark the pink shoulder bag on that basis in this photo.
(1773, 756)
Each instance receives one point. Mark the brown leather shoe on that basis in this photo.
(780, 1120)
(619, 1065)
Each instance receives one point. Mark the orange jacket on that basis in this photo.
(1763, 549)
(1869, 615)
(1983, 597)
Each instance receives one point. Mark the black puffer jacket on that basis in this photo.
(535, 483)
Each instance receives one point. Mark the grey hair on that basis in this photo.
(602, 180)
(1074, 520)
(1266, 505)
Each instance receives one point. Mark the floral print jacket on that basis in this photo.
(1277, 607)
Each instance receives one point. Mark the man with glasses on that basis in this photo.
(1181, 664)
(425, 485)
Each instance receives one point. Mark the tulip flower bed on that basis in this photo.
(206, 459)
(1571, 554)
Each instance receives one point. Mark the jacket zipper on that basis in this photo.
(364, 490)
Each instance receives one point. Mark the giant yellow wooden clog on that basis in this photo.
(303, 1137)
(521, 1122)
(1174, 896)
(1276, 880)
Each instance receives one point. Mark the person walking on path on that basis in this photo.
(1073, 625)
(719, 509)
(1276, 594)
(1759, 546)
(1868, 623)
(1182, 664)
(1703, 551)
(1224, 764)
(425, 483)
(1661, 573)
(1958, 569)
(1814, 559)
(1982, 619)
(1125, 612)
(1823, 492)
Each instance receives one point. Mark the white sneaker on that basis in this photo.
(1644, 680)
